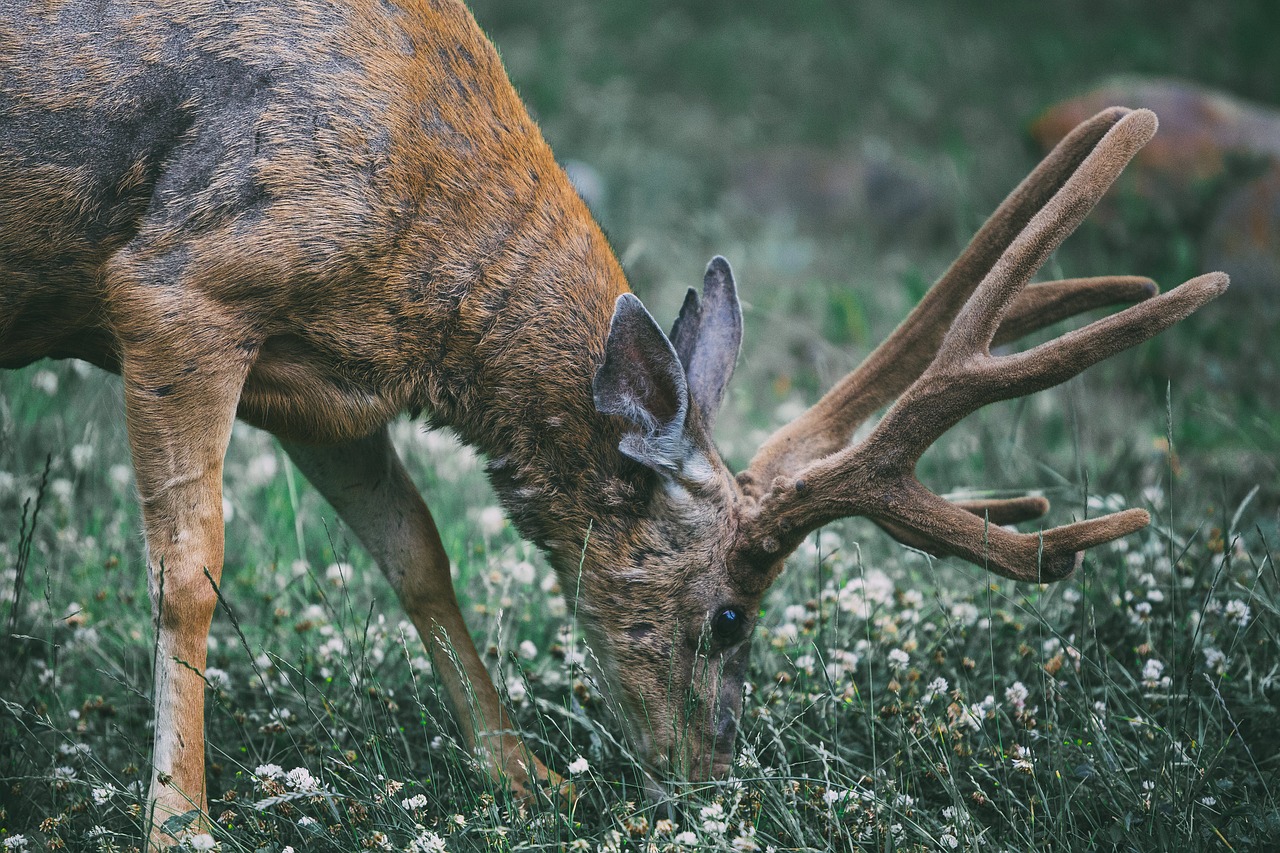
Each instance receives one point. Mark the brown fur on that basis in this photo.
(314, 216)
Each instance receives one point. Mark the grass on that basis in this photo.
(896, 702)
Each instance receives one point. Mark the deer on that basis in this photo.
(316, 216)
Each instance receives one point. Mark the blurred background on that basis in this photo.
(841, 154)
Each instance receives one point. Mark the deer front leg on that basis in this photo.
(180, 409)
(366, 483)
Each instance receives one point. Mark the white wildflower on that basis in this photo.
(523, 572)
(417, 801)
(965, 613)
(713, 819)
(578, 766)
(898, 658)
(1215, 660)
(337, 574)
(217, 678)
(81, 456)
(203, 841)
(686, 839)
(426, 842)
(261, 469)
(527, 650)
(1016, 695)
(1153, 674)
(1237, 611)
(936, 688)
(300, 779)
(491, 521)
(269, 771)
(46, 381)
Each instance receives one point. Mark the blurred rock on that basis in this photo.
(1201, 130)
(893, 197)
(1243, 239)
(1215, 163)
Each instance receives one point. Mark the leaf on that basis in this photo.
(175, 824)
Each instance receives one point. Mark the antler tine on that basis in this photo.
(877, 477)
(829, 424)
(1041, 305)
(976, 323)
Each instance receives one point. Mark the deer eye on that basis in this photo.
(729, 625)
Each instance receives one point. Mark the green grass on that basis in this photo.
(845, 744)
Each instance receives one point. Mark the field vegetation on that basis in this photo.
(896, 702)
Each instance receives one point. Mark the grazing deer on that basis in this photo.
(314, 216)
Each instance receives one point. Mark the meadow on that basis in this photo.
(896, 702)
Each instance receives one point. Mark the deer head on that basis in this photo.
(670, 598)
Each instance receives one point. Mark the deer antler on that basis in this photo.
(805, 476)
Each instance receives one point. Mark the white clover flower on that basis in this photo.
(898, 658)
(949, 841)
(62, 489)
(714, 819)
(1140, 613)
(203, 841)
(426, 842)
(218, 678)
(269, 771)
(81, 456)
(1208, 801)
(417, 801)
(964, 612)
(121, 475)
(15, 842)
(1153, 674)
(491, 521)
(806, 663)
(527, 650)
(1215, 660)
(745, 840)
(1237, 611)
(46, 381)
(300, 779)
(715, 827)
(1016, 695)
(102, 795)
(523, 572)
(516, 689)
(337, 574)
(936, 688)
(261, 469)
(578, 766)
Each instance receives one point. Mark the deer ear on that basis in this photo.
(707, 336)
(642, 381)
